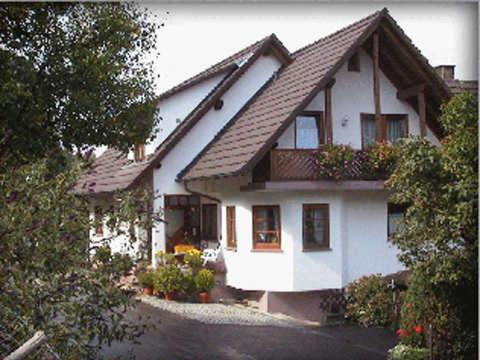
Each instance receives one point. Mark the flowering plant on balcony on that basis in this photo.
(335, 162)
(379, 160)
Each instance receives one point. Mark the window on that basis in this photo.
(266, 227)
(354, 63)
(98, 219)
(396, 128)
(396, 218)
(209, 222)
(309, 130)
(139, 152)
(231, 230)
(316, 230)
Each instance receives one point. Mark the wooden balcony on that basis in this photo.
(300, 165)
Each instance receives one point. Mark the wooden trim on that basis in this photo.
(231, 228)
(326, 227)
(379, 122)
(316, 185)
(422, 113)
(328, 114)
(411, 91)
(266, 246)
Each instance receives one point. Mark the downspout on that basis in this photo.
(185, 184)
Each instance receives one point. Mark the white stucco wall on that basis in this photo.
(352, 94)
(358, 242)
(203, 132)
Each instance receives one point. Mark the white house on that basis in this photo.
(232, 162)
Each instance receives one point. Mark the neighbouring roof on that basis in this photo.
(113, 171)
(458, 86)
(252, 134)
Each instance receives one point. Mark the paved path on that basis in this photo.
(177, 337)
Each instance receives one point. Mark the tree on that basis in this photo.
(73, 75)
(439, 241)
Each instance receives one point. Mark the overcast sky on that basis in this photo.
(196, 36)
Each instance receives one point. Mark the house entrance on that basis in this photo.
(182, 217)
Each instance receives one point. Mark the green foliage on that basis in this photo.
(204, 280)
(335, 162)
(146, 279)
(168, 278)
(379, 160)
(119, 264)
(74, 75)
(371, 302)
(440, 238)
(47, 278)
(193, 258)
(405, 352)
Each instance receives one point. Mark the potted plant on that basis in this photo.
(167, 280)
(146, 281)
(204, 283)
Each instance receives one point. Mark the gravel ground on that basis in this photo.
(222, 314)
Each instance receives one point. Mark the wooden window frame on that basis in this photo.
(98, 212)
(266, 246)
(392, 209)
(326, 228)
(139, 152)
(353, 64)
(321, 127)
(215, 222)
(385, 118)
(231, 228)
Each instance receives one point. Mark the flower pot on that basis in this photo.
(148, 291)
(168, 295)
(203, 297)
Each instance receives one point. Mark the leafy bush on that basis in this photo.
(204, 280)
(335, 162)
(146, 279)
(371, 302)
(168, 279)
(379, 161)
(121, 263)
(405, 352)
(103, 254)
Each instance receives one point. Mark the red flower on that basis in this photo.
(418, 329)
(408, 306)
(402, 332)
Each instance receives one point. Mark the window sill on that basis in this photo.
(317, 249)
(231, 249)
(267, 250)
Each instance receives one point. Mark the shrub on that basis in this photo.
(335, 162)
(168, 279)
(405, 352)
(121, 263)
(103, 254)
(371, 302)
(379, 161)
(146, 279)
(188, 287)
(204, 280)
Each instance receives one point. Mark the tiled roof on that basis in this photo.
(110, 171)
(291, 90)
(457, 86)
(113, 171)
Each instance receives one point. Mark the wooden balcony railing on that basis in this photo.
(300, 164)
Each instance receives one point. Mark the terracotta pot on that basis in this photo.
(147, 291)
(203, 297)
(168, 295)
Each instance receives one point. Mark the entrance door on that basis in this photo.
(182, 217)
(209, 222)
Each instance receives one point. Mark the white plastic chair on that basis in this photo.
(210, 255)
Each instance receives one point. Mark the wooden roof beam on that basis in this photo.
(411, 91)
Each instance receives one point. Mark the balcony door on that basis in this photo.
(309, 130)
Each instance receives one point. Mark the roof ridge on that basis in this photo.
(323, 39)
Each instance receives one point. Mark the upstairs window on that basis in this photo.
(98, 219)
(266, 227)
(231, 228)
(139, 152)
(354, 63)
(309, 130)
(316, 230)
(396, 127)
(396, 218)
